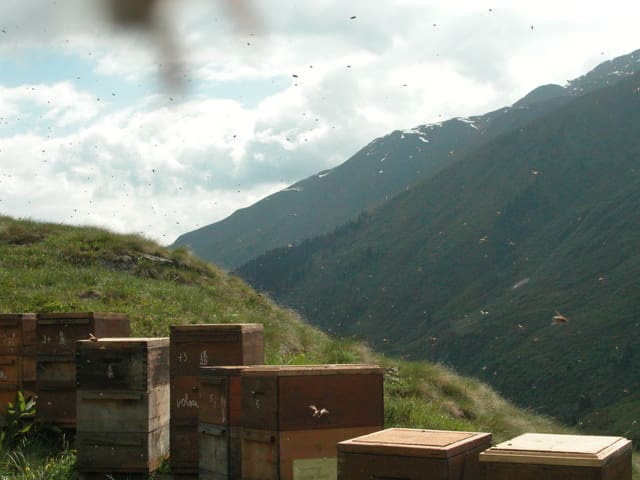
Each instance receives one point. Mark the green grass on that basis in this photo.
(46, 267)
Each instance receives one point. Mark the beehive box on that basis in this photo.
(57, 334)
(17, 333)
(17, 356)
(293, 417)
(192, 347)
(558, 457)
(122, 404)
(412, 454)
(219, 423)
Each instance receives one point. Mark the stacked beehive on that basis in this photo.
(412, 454)
(17, 356)
(192, 347)
(57, 334)
(122, 404)
(220, 423)
(293, 417)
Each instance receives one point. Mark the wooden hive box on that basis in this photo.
(57, 334)
(293, 417)
(558, 457)
(412, 454)
(17, 356)
(122, 404)
(220, 423)
(192, 347)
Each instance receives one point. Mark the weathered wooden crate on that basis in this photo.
(57, 334)
(220, 423)
(412, 454)
(312, 397)
(558, 457)
(122, 404)
(18, 338)
(293, 417)
(192, 347)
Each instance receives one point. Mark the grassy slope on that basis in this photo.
(46, 267)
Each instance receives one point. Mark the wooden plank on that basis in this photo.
(126, 411)
(122, 452)
(220, 395)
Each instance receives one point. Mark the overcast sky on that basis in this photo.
(95, 129)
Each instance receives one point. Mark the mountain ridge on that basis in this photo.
(376, 173)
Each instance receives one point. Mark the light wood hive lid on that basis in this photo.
(555, 449)
(414, 442)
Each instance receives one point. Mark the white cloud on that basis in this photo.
(167, 165)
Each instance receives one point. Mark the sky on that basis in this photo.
(162, 129)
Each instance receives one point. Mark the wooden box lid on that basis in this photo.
(215, 328)
(295, 370)
(207, 373)
(62, 316)
(415, 442)
(555, 449)
(125, 342)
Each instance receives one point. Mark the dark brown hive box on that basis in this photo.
(122, 404)
(412, 454)
(192, 347)
(57, 334)
(219, 423)
(293, 416)
(17, 333)
(17, 356)
(558, 457)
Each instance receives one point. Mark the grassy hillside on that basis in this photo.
(469, 267)
(46, 267)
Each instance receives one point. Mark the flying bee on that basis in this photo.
(558, 319)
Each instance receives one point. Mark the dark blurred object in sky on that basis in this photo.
(148, 15)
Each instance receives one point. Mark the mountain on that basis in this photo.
(469, 267)
(380, 170)
(48, 267)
